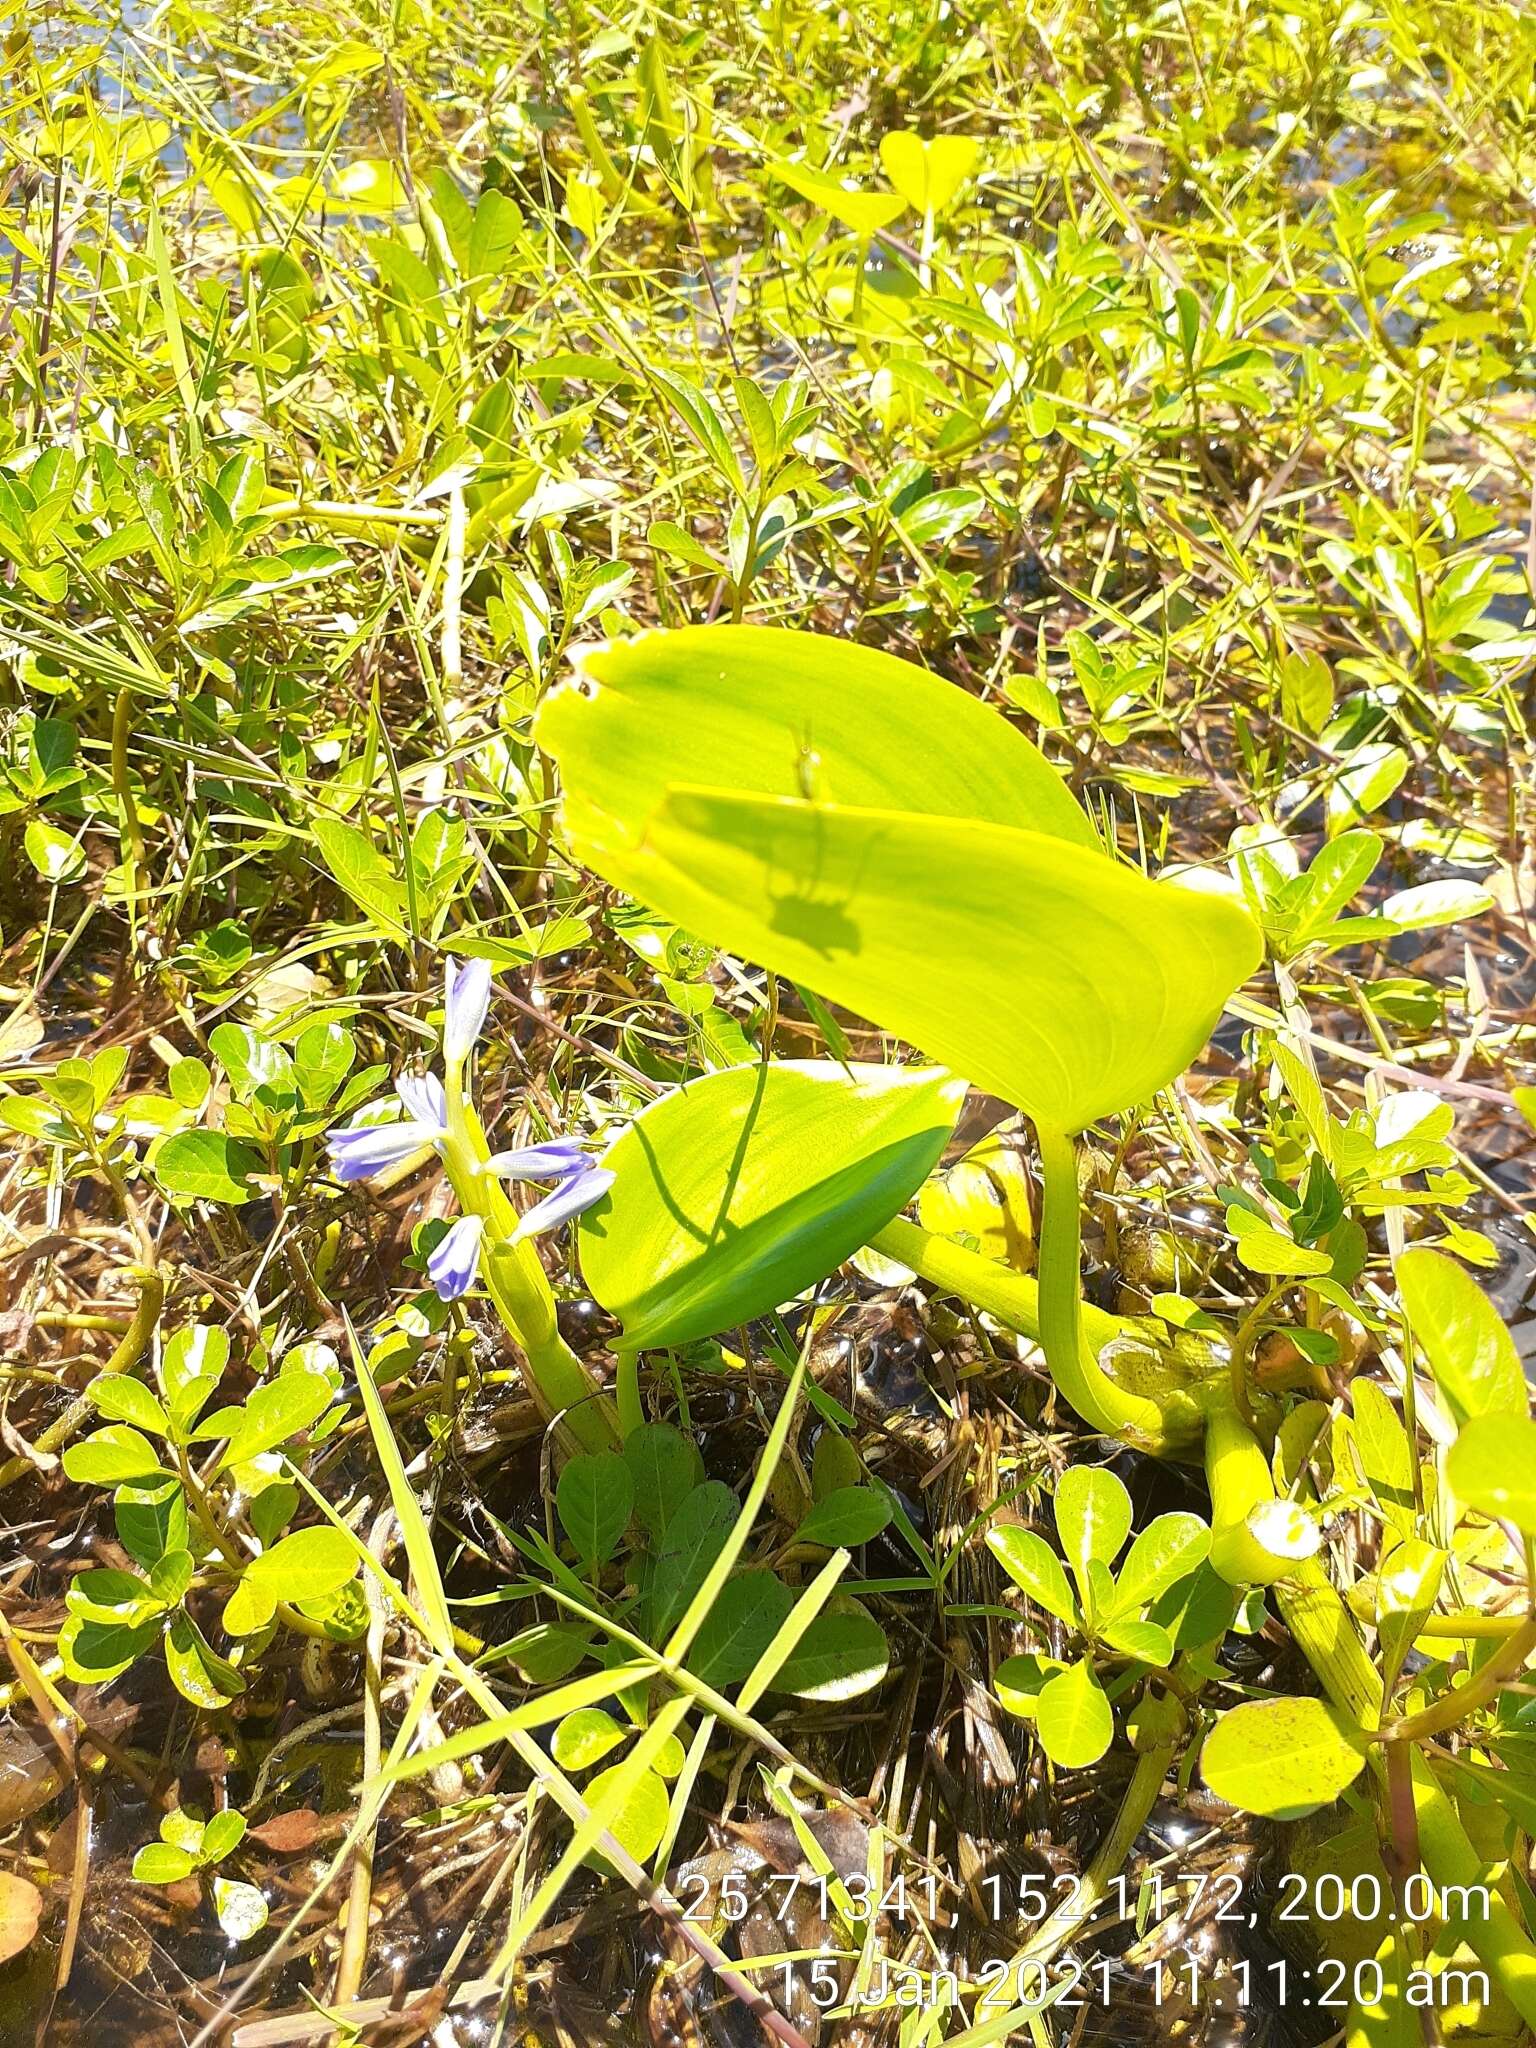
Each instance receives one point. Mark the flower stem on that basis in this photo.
(1066, 1921)
(1110, 1858)
(561, 1385)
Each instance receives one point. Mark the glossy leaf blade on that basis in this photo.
(1492, 1466)
(865, 209)
(1093, 1516)
(1476, 1366)
(928, 173)
(1035, 1569)
(1074, 1719)
(740, 1189)
(764, 712)
(1061, 981)
(1167, 1550)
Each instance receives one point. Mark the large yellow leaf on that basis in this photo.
(770, 713)
(871, 831)
(865, 209)
(1044, 971)
(927, 174)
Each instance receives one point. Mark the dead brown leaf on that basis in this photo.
(21, 1908)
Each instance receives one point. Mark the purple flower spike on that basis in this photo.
(577, 1192)
(556, 1159)
(579, 1180)
(468, 998)
(362, 1150)
(422, 1098)
(456, 1260)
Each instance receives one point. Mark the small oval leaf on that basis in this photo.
(1282, 1759)
(846, 1518)
(594, 1499)
(1073, 1718)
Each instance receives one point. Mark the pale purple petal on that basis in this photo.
(556, 1159)
(456, 1259)
(468, 998)
(362, 1150)
(573, 1195)
(423, 1098)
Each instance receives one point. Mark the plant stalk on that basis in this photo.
(563, 1389)
(1320, 1622)
(1454, 1706)
(1141, 1795)
(1237, 1473)
(1066, 1921)
(1498, 1941)
(1013, 1299)
(1074, 1366)
(136, 1337)
(1325, 1633)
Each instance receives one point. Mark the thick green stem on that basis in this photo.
(1501, 1669)
(1321, 1625)
(559, 1382)
(1067, 1920)
(1325, 1634)
(1070, 1333)
(1073, 1364)
(1085, 1900)
(1496, 1937)
(1013, 1299)
(1238, 1475)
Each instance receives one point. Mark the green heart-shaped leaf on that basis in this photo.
(1069, 985)
(594, 1500)
(585, 1737)
(847, 1517)
(641, 1819)
(750, 1611)
(842, 1654)
(860, 207)
(695, 1537)
(927, 173)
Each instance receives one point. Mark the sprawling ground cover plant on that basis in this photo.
(768, 972)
